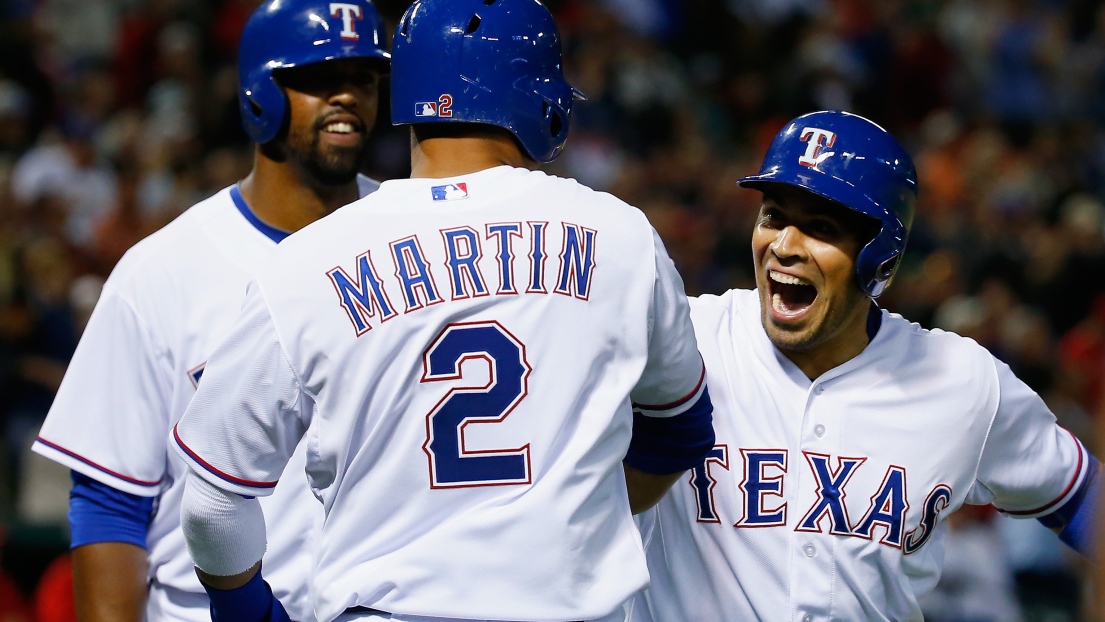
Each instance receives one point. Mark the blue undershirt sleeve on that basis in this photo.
(1076, 519)
(100, 513)
(666, 445)
(253, 602)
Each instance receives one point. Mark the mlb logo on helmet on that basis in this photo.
(443, 107)
(450, 192)
(816, 139)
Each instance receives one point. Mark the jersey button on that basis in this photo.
(809, 550)
(807, 618)
(819, 430)
(818, 390)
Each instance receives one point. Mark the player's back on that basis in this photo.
(470, 345)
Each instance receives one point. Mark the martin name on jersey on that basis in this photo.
(366, 300)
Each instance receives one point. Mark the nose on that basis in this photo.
(345, 95)
(788, 244)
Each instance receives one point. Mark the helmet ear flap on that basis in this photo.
(265, 108)
(874, 282)
(553, 118)
(886, 269)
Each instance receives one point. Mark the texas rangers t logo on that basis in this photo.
(348, 13)
(813, 138)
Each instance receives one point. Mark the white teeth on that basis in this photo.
(777, 304)
(340, 128)
(786, 279)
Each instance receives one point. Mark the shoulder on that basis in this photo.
(366, 185)
(950, 355)
(734, 299)
(177, 245)
(732, 302)
(714, 314)
(931, 337)
(587, 197)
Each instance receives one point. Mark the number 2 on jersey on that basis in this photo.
(451, 465)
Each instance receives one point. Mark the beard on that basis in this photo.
(330, 166)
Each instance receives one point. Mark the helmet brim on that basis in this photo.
(827, 187)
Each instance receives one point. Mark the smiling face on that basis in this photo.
(332, 107)
(805, 250)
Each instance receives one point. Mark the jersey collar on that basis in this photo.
(766, 351)
(271, 232)
(874, 321)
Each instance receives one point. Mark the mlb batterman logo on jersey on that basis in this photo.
(450, 192)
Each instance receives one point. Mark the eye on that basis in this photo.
(770, 217)
(824, 228)
(365, 78)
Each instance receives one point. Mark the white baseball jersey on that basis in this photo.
(166, 305)
(464, 352)
(826, 500)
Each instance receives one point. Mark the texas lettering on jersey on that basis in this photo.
(762, 487)
(417, 283)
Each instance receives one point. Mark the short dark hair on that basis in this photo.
(425, 131)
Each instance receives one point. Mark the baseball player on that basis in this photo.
(845, 434)
(463, 352)
(308, 73)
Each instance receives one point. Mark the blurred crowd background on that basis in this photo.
(116, 115)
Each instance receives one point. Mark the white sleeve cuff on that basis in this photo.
(225, 532)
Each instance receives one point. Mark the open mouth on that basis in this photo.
(342, 130)
(340, 127)
(791, 296)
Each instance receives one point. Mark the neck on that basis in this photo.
(839, 348)
(460, 155)
(286, 197)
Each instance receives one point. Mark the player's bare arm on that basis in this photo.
(108, 535)
(109, 582)
(232, 582)
(646, 489)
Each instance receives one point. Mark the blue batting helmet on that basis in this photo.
(854, 162)
(496, 62)
(282, 34)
